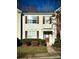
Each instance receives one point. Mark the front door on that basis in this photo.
(46, 35)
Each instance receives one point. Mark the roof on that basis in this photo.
(59, 9)
(38, 13)
(18, 10)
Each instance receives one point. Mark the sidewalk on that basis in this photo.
(51, 57)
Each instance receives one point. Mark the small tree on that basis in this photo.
(58, 24)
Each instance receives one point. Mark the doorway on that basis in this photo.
(46, 35)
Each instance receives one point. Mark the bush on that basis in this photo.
(19, 42)
(42, 42)
(37, 41)
(57, 43)
(26, 42)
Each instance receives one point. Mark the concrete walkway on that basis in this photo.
(50, 49)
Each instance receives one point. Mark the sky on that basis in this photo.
(39, 5)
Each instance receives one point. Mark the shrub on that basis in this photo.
(57, 43)
(26, 42)
(37, 41)
(42, 42)
(19, 42)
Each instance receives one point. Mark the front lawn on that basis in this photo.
(30, 50)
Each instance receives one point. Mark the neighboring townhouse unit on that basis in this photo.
(19, 23)
(38, 26)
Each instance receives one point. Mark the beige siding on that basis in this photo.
(39, 27)
(35, 27)
(18, 25)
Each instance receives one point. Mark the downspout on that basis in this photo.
(21, 27)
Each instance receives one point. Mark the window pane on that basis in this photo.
(46, 19)
(32, 19)
(32, 34)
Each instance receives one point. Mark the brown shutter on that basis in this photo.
(25, 19)
(37, 34)
(43, 19)
(25, 34)
(37, 19)
(50, 20)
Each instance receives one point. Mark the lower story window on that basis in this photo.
(32, 34)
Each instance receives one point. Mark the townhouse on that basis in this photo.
(39, 26)
(34, 25)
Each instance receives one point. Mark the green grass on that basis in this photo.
(31, 50)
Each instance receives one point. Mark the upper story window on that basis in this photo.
(53, 19)
(32, 19)
(46, 20)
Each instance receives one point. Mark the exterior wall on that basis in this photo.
(18, 25)
(35, 27)
(40, 27)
